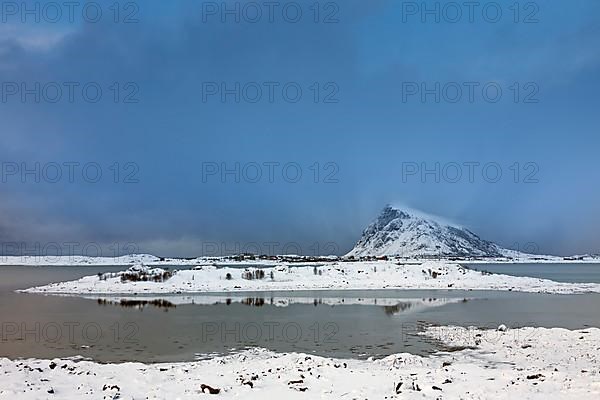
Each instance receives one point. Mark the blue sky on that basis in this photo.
(361, 141)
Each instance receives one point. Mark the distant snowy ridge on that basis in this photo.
(80, 260)
(406, 233)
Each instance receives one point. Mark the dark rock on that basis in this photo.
(398, 387)
(211, 390)
(536, 376)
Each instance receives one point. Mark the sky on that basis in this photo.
(192, 128)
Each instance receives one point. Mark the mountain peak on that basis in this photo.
(412, 233)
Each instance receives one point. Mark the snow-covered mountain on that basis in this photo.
(406, 233)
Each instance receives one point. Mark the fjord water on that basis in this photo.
(150, 331)
(571, 273)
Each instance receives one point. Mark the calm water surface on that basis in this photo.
(359, 324)
(571, 273)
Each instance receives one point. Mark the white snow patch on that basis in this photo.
(329, 276)
(500, 365)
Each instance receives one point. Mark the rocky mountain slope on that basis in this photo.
(398, 232)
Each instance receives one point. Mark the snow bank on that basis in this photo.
(331, 276)
(527, 363)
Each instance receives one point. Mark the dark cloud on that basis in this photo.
(170, 132)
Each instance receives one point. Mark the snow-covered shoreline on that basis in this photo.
(330, 276)
(151, 260)
(477, 363)
(492, 364)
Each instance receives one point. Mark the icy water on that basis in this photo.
(346, 324)
(556, 272)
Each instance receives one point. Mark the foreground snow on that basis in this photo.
(332, 276)
(523, 363)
